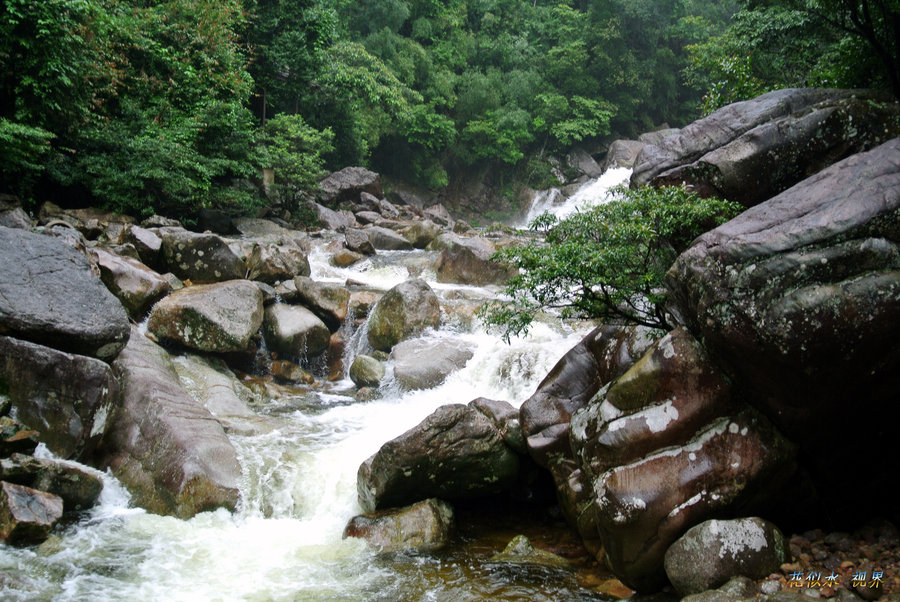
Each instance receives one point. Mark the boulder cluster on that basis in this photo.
(780, 378)
(153, 403)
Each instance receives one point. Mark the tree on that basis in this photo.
(607, 262)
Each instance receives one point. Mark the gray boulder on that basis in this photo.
(27, 515)
(337, 221)
(347, 185)
(295, 331)
(358, 241)
(713, 552)
(67, 398)
(271, 263)
(439, 215)
(422, 527)
(12, 215)
(329, 302)
(135, 285)
(387, 240)
(49, 295)
(168, 450)
(468, 261)
(420, 233)
(623, 153)
(798, 299)
(201, 257)
(455, 453)
(78, 488)
(217, 317)
(763, 157)
(427, 362)
(403, 312)
(147, 244)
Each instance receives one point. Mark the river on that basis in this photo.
(299, 490)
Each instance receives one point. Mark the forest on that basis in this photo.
(170, 106)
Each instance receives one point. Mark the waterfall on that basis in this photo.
(590, 193)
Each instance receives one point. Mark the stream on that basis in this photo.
(298, 486)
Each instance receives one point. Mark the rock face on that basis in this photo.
(454, 453)
(49, 295)
(27, 515)
(749, 151)
(169, 451)
(713, 552)
(201, 257)
(799, 299)
(295, 331)
(426, 363)
(66, 398)
(403, 312)
(348, 183)
(423, 527)
(468, 261)
(210, 317)
(134, 284)
(78, 488)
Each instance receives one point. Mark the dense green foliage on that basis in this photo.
(606, 262)
(166, 105)
(787, 43)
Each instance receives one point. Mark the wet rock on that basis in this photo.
(217, 317)
(798, 299)
(329, 302)
(27, 515)
(134, 284)
(78, 488)
(403, 312)
(361, 303)
(358, 241)
(454, 453)
(295, 331)
(505, 418)
(468, 261)
(426, 363)
(347, 185)
(343, 258)
(388, 240)
(273, 263)
(290, 371)
(521, 551)
(201, 257)
(15, 437)
(736, 464)
(366, 371)
(422, 527)
(67, 398)
(420, 233)
(713, 552)
(168, 450)
(439, 215)
(778, 153)
(49, 295)
(623, 153)
(604, 354)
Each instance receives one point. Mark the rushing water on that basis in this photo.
(590, 193)
(299, 490)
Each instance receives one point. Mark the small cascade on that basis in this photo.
(590, 193)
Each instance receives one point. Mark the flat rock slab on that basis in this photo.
(49, 295)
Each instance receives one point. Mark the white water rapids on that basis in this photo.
(298, 491)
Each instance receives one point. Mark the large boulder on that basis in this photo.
(623, 153)
(329, 302)
(27, 515)
(271, 263)
(49, 295)
(358, 241)
(798, 299)
(455, 453)
(713, 552)
(147, 244)
(427, 362)
(420, 233)
(12, 215)
(201, 257)
(168, 450)
(387, 240)
(748, 152)
(295, 331)
(347, 185)
(403, 312)
(134, 284)
(422, 527)
(468, 261)
(67, 398)
(217, 317)
(366, 371)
